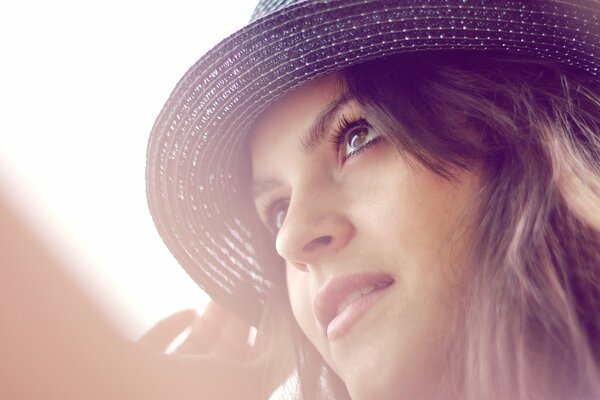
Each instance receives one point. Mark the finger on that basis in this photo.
(205, 330)
(216, 315)
(258, 346)
(217, 332)
(233, 341)
(165, 331)
(200, 340)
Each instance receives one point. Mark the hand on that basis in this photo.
(216, 332)
(214, 361)
(56, 344)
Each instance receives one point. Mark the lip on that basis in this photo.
(336, 290)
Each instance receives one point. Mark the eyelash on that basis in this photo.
(343, 129)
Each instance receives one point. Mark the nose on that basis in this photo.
(314, 229)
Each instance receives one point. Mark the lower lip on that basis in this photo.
(343, 322)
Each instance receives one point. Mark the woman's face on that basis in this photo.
(370, 239)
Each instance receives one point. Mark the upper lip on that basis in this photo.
(337, 289)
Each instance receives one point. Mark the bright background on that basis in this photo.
(81, 83)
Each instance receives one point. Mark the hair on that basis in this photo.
(528, 320)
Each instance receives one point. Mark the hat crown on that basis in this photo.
(266, 7)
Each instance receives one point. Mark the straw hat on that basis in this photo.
(197, 166)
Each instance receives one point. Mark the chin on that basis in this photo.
(393, 390)
(371, 380)
(383, 379)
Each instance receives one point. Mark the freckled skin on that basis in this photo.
(383, 214)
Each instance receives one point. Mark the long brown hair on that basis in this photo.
(528, 325)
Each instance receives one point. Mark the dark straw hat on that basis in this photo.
(197, 169)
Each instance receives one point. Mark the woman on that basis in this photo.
(404, 197)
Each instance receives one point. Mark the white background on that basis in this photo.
(80, 86)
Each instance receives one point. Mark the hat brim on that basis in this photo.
(193, 185)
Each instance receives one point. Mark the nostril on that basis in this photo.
(314, 244)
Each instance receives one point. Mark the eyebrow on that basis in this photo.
(264, 185)
(308, 142)
(322, 123)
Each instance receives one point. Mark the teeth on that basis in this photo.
(354, 296)
(367, 290)
(341, 307)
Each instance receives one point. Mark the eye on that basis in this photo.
(278, 217)
(352, 137)
(274, 214)
(358, 137)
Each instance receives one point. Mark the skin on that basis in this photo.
(380, 212)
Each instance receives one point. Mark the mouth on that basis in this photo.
(343, 300)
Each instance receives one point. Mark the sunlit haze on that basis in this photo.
(80, 86)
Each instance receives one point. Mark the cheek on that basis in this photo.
(299, 293)
(413, 206)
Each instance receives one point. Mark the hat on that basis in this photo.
(197, 163)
